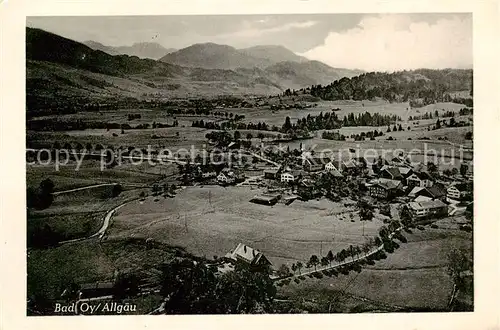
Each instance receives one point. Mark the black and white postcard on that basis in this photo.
(250, 163)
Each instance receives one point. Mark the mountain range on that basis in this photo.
(60, 67)
(152, 50)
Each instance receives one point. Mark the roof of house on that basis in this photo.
(422, 199)
(404, 170)
(349, 164)
(272, 171)
(387, 183)
(393, 171)
(414, 191)
(247, 253)
(422, 175)
(436, 191)
(460, 186)
(426, 204)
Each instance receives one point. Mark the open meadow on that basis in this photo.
(405, 279)
(212, 220)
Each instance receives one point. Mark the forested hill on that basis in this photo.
(420, 87)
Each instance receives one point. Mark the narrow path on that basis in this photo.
(83, 188)
(100, 233)
(334, 266)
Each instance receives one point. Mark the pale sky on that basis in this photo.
(363, 41)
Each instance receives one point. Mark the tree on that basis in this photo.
(365, 211)
(438, 124)
(463, 169)
(42, 197)
(117, 190)
(330, 257)
(260, 136)
(294, 268)
(325, 261)
(237, 135)
(249, 136)
(454, 171)
(193, 288)
(314, 260)
(299, 266)
(126, 285)
(283, 271)
(352, 252)
(287, 125)
(432, 168)
(459, 261)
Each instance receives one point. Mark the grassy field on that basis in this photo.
(414, 276)
(77, 214)
(157, 138)
(50, 271)
(68, 177)
(400, 109)
(212, 220)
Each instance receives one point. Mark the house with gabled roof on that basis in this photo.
(427, 209)
(331, 168)
(457, 191)
(384, 188)
(390, 172)
(419, 179)
(249, 256)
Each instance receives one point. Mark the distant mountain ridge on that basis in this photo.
(58, 69)
(215, 56)
(151, 50)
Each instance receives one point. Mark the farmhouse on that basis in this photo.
(435, 192)
(405, 171)
(249, 256)
(427, 209)
(348, 166)
(311, 163)
(287, 177)
(271, 174)
(457, 191)
(330, 167)
(385, 188)
(389, 172)
(419, 179)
